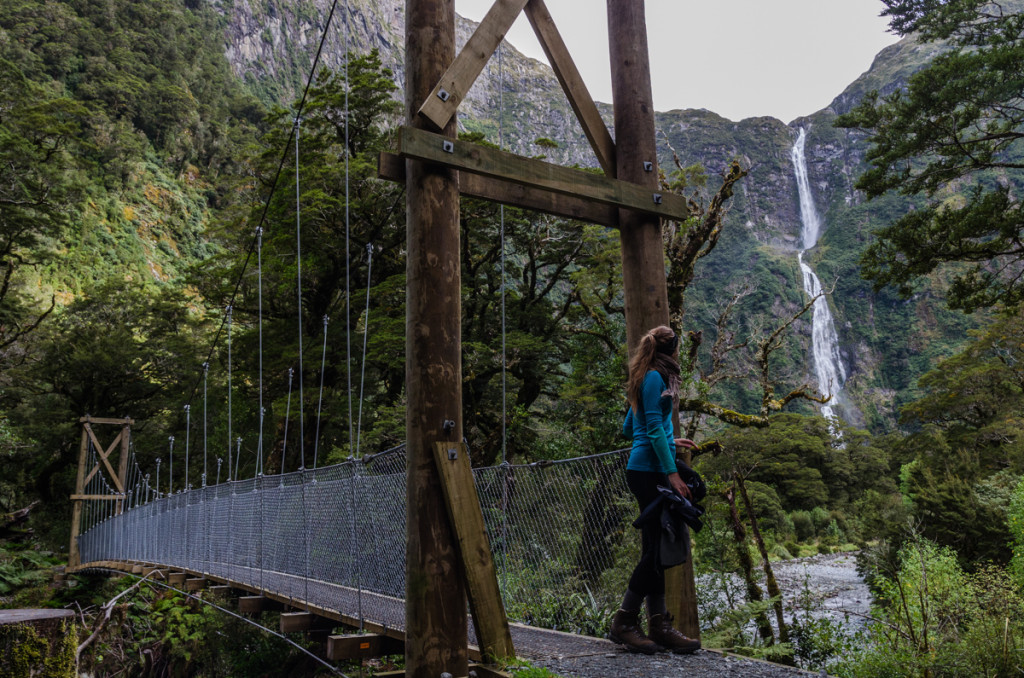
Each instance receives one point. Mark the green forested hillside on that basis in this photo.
(120, 128)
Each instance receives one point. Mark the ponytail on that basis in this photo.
(657, 351)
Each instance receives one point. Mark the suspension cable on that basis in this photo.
(229, 311)
(233, 614)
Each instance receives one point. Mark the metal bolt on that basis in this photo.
(448, 146)
(453, 453)
(448, 426)
(657, 198)
(443, 94)
(648, 166)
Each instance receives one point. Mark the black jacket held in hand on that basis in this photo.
(674, 514)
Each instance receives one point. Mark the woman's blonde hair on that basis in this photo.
(657, 351)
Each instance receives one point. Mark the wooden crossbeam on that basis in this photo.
(362, 646)
(106, 420)
(392, 168)
(491, 162)
(572, 84)
(97, 497)
(195, 584)
(459, 78)
(464, 511)
(255, 604)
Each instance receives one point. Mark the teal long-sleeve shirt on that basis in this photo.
(650, 427)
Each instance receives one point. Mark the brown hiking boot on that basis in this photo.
(625, 630)
(662, 632)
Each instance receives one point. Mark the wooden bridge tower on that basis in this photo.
(104, 460)
(436, 168)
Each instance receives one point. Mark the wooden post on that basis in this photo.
(74, 558)
(643, 251)
(122, 467)
(435, 601)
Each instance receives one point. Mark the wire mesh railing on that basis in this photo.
(334, 537)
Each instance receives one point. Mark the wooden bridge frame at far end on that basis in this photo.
(103, 461)
(436, 168)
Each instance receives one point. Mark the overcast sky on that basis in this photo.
(738, 58)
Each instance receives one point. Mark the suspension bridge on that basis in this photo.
(329, 543)
(398, 542)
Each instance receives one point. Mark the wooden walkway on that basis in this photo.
(564, 653)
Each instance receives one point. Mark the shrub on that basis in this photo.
(821, 518)
(935, 619)
(833, 536)
(802, 525)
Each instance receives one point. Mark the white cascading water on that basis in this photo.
(828, 365)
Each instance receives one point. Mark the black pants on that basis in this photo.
(648, 577)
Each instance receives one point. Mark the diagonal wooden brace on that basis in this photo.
(459, 78)
(572, 84)
(467, 520)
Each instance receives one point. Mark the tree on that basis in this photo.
(37, 181)
(686, 244)
(954, 140)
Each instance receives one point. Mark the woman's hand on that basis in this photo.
(678, 485)
(686, 442)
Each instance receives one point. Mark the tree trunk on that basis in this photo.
(754, 594)
(770, 583)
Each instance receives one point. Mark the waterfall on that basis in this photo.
(828, 365)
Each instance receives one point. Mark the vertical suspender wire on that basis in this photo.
(228, 310)
(366, 334)
(320, 400)
(157, 510)
(259, 440)
(348, 335)
(298, 285)
(287, 416)
(188, 426)
(170, 473)
(501, 212)
(185, 535)
(238, 455)
(504, 359)
(259, 313)
(206, 371)
(348, 259)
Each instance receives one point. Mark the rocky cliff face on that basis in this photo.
(886, 343)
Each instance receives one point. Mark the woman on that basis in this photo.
(652, 388)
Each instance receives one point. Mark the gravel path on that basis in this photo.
(582, 657)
